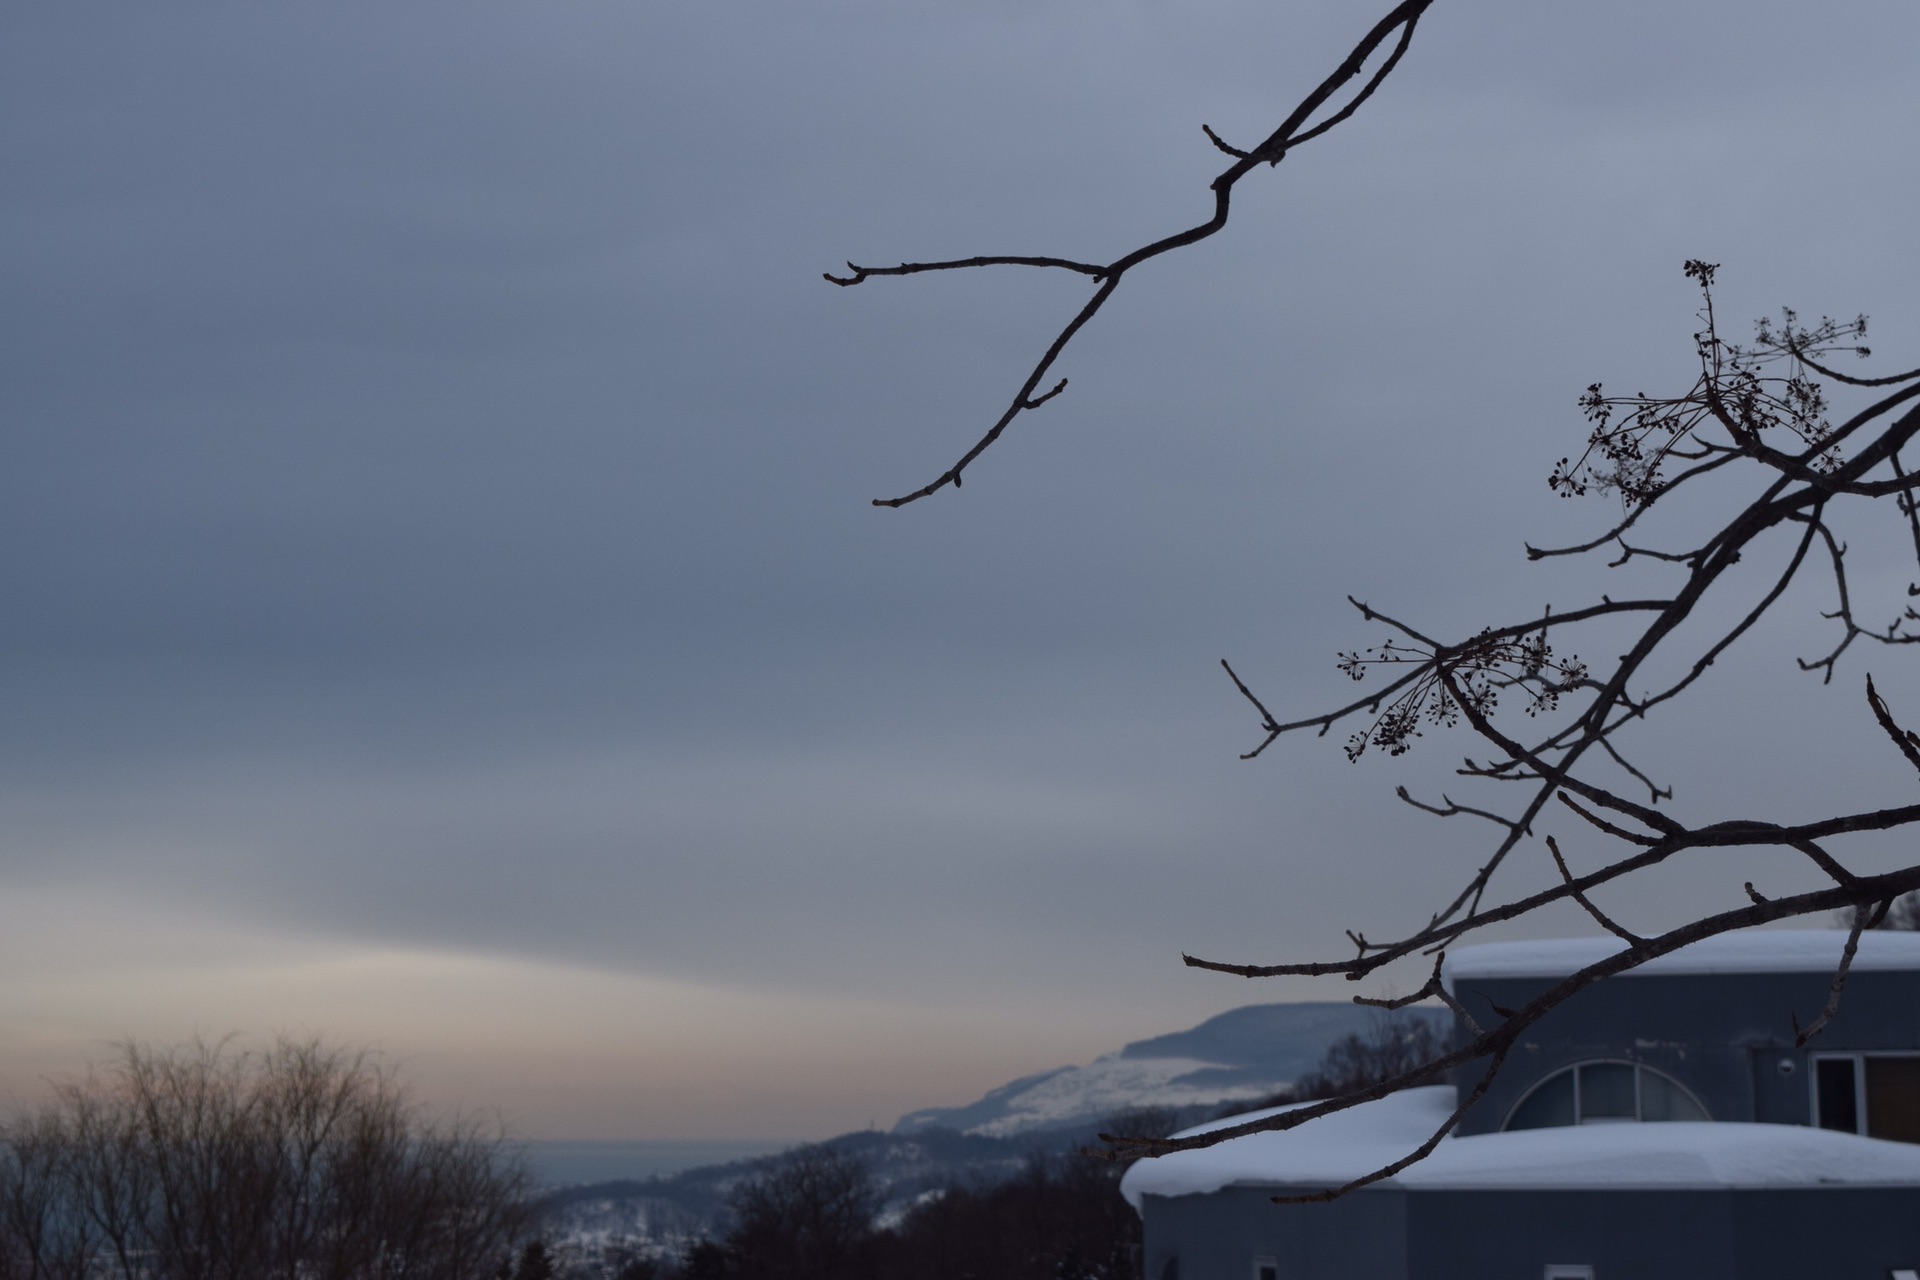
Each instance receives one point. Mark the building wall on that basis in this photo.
(1362, 1236)
(1390, 1234)
(1826, 1232)
(1622, 1235)
(1812, 1233)
(1723, 1036)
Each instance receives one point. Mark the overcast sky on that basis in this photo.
(442, 605)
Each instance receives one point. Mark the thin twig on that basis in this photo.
(960, 264)
(1802, 1035)
(1419, 1153)
(1905, 739)
(1632, 939)
(1291, 133)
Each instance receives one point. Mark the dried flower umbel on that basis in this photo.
(1634, 437)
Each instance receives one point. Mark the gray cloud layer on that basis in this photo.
(435, 502)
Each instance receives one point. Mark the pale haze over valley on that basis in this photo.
(443, 610)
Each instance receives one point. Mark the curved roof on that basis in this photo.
(1745, 951)
(1651, 1156)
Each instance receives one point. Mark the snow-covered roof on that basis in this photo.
(1746, 951)
(1652, 1156)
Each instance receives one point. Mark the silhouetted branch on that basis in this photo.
(1496, 1042)
(1911, 509)
(1843, 613)
(1620, 833)
(1419, 1153)
(1905, 739)
(1801, 1035)
(915, 268)
(1719, 835)
(1448, 809)
(1223, 145)
(1757, 418)
(1292, 133)
(1655, 794)
(1605, 921)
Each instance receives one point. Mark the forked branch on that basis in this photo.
(1293, 132)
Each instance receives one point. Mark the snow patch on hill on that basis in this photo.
(1115, 1083)
(1242, 1055)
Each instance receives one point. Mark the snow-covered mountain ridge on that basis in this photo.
(1243, 1055)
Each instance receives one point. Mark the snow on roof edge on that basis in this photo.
(1667, 1156)
(1744, 951)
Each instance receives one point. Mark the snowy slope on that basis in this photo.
(1242, 1055)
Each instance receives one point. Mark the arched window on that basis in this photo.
(1604, 1093)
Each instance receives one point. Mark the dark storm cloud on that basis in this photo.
(435, 494)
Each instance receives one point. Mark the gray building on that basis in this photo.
(1660, 1124)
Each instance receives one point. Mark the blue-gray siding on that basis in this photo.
(1798, 1234)
(1357, 1237)
(1723, 1036)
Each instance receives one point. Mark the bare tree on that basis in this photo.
(44, 1236)
(1392, 1049)
(809, 1216)
(1756, 424)
(199, 1163)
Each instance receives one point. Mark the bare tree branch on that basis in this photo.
(1869, 890)
(1861, 914)
(1419, 1153)
(1403, 18)
(915, 268)
(1757, 420)
(1632, 939)
(1905, 739)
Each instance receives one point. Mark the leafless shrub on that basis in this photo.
(301, 1162)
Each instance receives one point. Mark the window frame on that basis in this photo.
(1573, 1069)
(1858, 1057)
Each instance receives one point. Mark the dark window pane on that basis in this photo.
(1549, 1105)
(1606, 1091)
(1662, 1099)
(1893, 1098)
(1833, 1088)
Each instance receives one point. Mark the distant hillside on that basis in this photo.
(1241, 1055)
(661, 1215)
